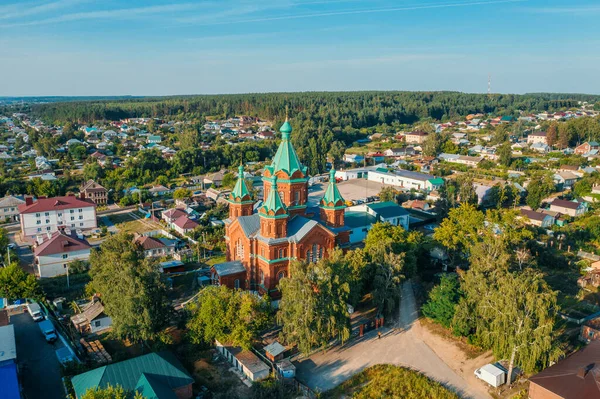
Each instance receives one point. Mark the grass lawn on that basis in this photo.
(216, 259)
(56, 287)
(387, 381)
(127, 223)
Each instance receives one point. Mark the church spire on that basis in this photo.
(332, 204)
(240, 198)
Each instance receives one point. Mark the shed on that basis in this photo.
(245, 361)
(274, 351)
(286, 369)
(171, 266)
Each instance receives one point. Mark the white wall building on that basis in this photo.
(47, 215)
(54, 252)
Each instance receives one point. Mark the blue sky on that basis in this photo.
(157, 47)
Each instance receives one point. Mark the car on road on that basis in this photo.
(48, 330)
(35, 311)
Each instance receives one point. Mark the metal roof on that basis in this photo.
(8, 348)
(227, 268)
(249, 224)
(387, 209)
(164, 367)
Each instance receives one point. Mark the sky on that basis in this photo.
(158, 47)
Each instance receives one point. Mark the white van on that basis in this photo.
(35, 311)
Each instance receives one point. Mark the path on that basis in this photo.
(403, 345)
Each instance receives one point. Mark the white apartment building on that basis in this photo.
(47, 215)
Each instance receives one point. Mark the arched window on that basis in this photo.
(281, 253)
(262, 278)
(280, 275)
(315, 252)
(308, 256)
(236, 283)
(321, 253)
(239, 250)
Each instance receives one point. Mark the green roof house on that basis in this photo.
(154, 376)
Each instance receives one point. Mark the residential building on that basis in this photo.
(415, 137)
(184, 225)
(171, 215)
(571, 208)
(158, 191)
(155, 375)
(94, 191)
(354, 158)
(399, 152)
(245, 361)
(587, 147)
(352, 174)
(565, 179)
(92, 318)
(538, 219)
(282, 231)
(460, 159)
(9, 208)
(537, 137)
(157, 247)
(49, 214)
(53, 252)
(590, 330)
(575, 377)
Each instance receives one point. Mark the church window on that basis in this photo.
(262, 278)
(262, 252)
(239, 250)
(321, 253)
(308, 256)
(296, 197)
(236, 283)
(280, 275)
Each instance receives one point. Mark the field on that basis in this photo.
(387, 381)
(130, 222)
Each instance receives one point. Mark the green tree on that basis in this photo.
(466, 189)
(132, 292)
(15, 283)
(505, 154)
(443, 299)
(111, 392)
(552, 134)
(389, 275)
(229, 316)
(93, 171)
(182, 193)
(388, 194)
(460, 230)
(313, 308)
(540, 186)
(520, 314)
(229, 180)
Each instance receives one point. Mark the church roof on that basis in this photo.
(286, 158)
(249, 224)
(240, 191)
(273, 202)
(332, 197)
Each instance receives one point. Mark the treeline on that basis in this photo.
(355, 109)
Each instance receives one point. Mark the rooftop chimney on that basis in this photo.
(40, 239)
(28, 200)
(82, 195)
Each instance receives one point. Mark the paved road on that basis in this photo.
(401, 346)
(41, 376)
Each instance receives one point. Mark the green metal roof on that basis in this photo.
(437, 181)
(151, 387)
(383, 170)
(240, 191)
(286, 158)
(163, 367)
(332, 197)
(273, 203)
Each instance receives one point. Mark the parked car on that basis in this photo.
(35, 311)
(48, 330)
(492, 374)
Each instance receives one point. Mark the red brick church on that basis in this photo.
(261, 245)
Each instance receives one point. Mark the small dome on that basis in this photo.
(286, 127)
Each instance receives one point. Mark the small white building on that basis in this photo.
(537, 137)
(54, 252)
(9, 208)
(571, 208)
(245, 361)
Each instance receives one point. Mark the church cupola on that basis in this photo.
(240, 199)
(332, 204)
(273, 214)
(292, 175)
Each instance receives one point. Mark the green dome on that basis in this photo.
(286, 128)
(332, 198)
